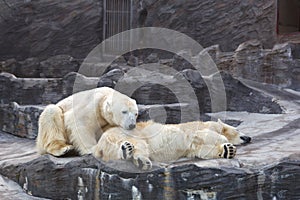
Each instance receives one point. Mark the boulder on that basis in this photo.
(20, 120)
(28, 91)
(53, 67)
(58, 66)
(152, 87)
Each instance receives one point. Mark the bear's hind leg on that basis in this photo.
(142, 162)
(58, 148)
(141, 155)
(136, 150)
(51, 134)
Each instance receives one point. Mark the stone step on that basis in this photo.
(156, 88)
(20, 120)
(53, 67)
(42, 90)
(262, 169)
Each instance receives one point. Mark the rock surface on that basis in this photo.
(267, 168)
(30, 29)
(19, 120)
(48, 28)
(187, 92)
(53, 67)
(28, 91)
(214, 22)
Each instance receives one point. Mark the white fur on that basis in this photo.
(81, 118)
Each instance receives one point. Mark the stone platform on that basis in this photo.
(267, 168)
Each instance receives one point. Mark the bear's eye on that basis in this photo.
(124, 112)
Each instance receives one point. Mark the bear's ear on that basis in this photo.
(220, 121)
(108, 107)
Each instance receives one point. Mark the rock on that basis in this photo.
(152, 87)
(29, 68)
(231, 26)
(20, 120)
(58, 66)
(110, 78)
(133, 61)
(29, 28)
(29, 90)
(296, 77)
(74, 82)
(10, 66)
(11, 190)
(54, 67)
(179, 62)
(152, 58)
(166, 113)
(261, 169)
(251, 61)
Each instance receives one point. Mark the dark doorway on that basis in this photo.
(288, 16)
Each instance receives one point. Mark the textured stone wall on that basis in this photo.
(20, 120)
(227, 23)
(47, 28)
(279, 65)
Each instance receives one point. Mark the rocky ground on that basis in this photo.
(35, 72)
(267, 168)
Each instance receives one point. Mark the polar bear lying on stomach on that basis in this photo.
(169, 142)
(78, 121)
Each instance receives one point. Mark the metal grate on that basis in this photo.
(117, 18)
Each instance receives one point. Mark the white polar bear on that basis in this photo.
(79, 120)
(169, 142)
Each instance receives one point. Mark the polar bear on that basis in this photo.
(151, 141)
(78, 121)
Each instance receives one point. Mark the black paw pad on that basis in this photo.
(229, 151)
(127, 150)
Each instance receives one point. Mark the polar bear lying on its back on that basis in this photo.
(79, 120)
(158, 142)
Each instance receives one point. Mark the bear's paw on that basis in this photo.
(127, 150)
(228, 151)
(143, 162)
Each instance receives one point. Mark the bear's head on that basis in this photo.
(233, 134)
(120, 110)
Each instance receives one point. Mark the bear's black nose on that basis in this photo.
(131, 126)
(246, 139)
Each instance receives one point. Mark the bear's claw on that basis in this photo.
(63, 151)
(127, 150)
